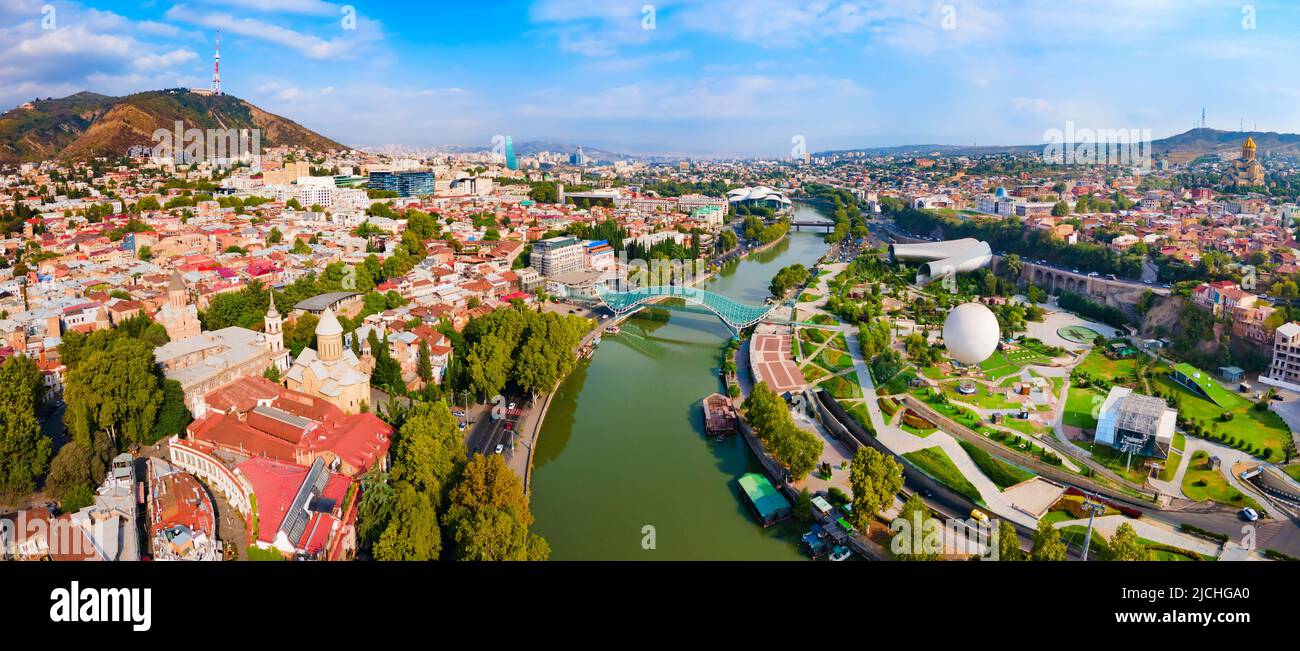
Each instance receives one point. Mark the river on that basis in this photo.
(623, 446)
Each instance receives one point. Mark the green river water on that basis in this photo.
(623, 445)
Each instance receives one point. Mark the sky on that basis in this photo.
(683, 77)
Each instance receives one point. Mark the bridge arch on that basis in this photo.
(734, 314)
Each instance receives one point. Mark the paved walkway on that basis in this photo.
(1148, 529)
(901, 442)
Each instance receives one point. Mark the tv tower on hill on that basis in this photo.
(216, 68)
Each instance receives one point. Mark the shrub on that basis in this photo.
(77, 498)
(1197, 531)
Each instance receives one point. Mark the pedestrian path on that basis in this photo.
(1148, 529)
(901, 442)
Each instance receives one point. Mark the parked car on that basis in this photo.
(1250, 515)
(500, 448)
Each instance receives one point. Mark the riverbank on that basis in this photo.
(623, 450)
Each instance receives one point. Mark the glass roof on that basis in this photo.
(736, 315)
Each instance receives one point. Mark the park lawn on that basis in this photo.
(823, 319)
(858, 411)
(256, 553)
(917, 431)
(981, 398)
(834, 360)
(1171, 466)
(1057, 515)
(1293, 470)
(838, 341)
(1021, 425)
(936, 463)
(1116, 461)
(1164, 553)
(998, 366)
(809, 297)
(812, 373)
(843, 386)
(1261, 429)
(1201, 483)
(806, 349)
(815, 335)
(1079, 407)
(1116, 371)
(1025, 357)
(932, 372)
(999, 472)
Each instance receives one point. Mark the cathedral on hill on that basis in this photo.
(1246, 171)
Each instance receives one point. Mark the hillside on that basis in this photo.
(85, 125)
(1182, 147)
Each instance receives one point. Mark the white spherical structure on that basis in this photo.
(971, 333)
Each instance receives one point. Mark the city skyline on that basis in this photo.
(680, 77)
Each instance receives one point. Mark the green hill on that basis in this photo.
(86, 125)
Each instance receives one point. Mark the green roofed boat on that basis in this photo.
(767, 503)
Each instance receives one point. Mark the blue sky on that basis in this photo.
(712, 77)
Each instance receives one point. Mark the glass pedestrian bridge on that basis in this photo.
(736, 315)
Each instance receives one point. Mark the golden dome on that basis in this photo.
(1250, 143)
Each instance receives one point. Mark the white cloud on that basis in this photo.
(348, 44)
(739, 97)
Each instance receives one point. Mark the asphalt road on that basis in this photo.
(491, 428)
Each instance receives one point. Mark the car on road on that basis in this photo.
(459, 413)
(1093, 274)
(1146, 282)
(1248, 514)
(500, 448)
(460, 425)
(512, 406)
(510, 426)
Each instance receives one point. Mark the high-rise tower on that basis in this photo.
(512, 163)
(216, 68)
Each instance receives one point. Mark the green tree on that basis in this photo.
(412, 533)
(374, 508)
(803, 507)
(116, 390)
(1125, 545)
(423, 363)
(921, 532)
(429, 451)
(24, 450)
(1047, 544)
(488, 515)
(1009, 543)
(875, 479)
(173, 415)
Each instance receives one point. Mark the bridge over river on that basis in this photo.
(736, 315)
